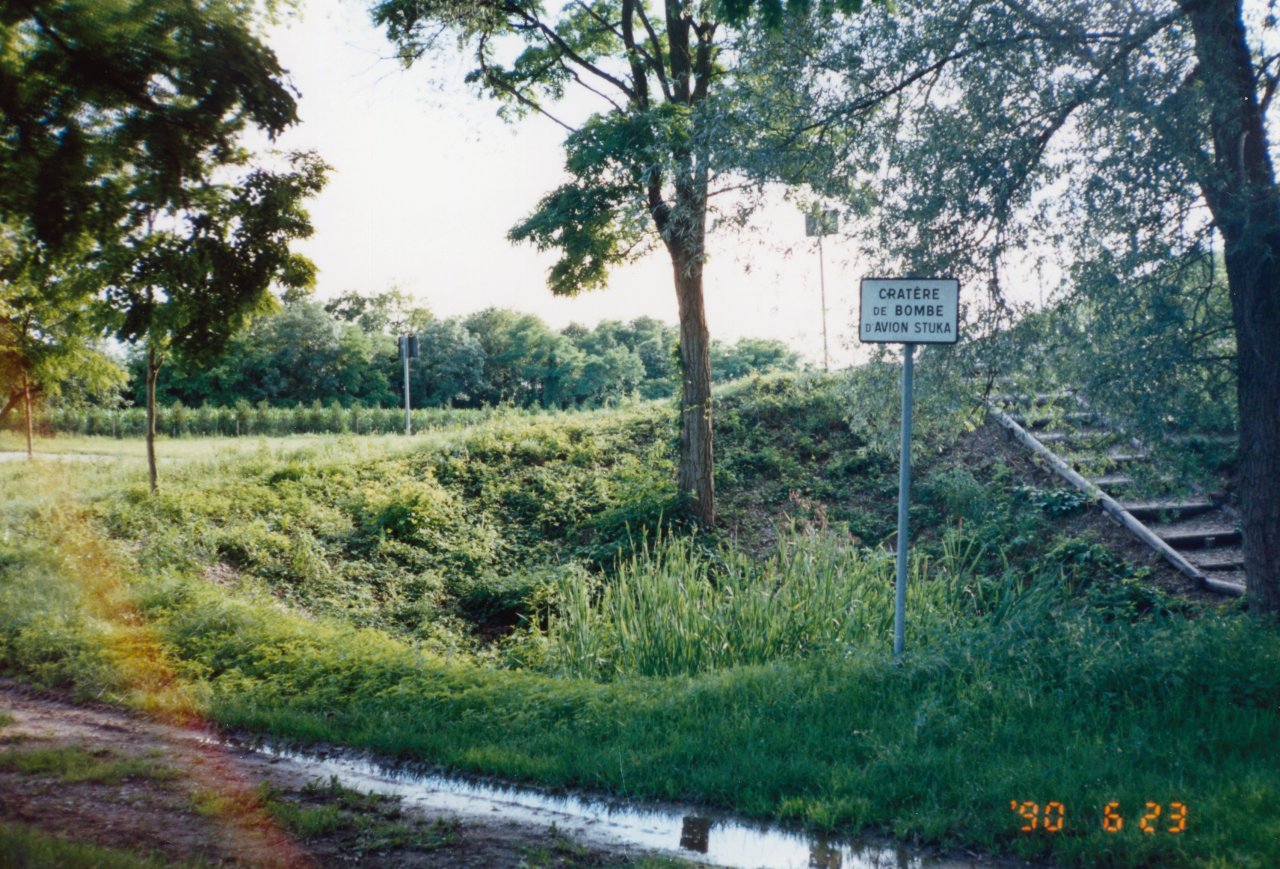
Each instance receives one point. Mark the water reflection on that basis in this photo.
(702, 837)
(824, 855)
(695, 833)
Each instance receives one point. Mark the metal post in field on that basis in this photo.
(408, 425)
(816, 225)
(822, 285)
(904, 491)
(408, 350)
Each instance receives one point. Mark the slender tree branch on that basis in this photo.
(555, 39)
(583, 84)
(495, 80)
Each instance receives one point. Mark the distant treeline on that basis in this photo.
(344, 353)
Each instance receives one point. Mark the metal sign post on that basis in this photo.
(904, 492)
(907, 311)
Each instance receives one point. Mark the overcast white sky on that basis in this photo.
(427, 181)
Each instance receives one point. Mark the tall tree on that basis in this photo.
(113, 114)
(190, 287)
(649, 162)
(1126, 131)
(393, 311)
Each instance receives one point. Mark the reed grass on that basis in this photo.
(677, 607)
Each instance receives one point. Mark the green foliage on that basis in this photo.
(261, 420)
(49, 336)
(25, 847)
(596, 220)
(970, 712)
(470, 532)
(189, 289)
(1060, 501)
(74, 764)
(393, 312)
(340, 353)
(68, 127)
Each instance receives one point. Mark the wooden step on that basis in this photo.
(1078, 439)
(1202, 532)
(1108, 460)
(1114, 481)
(1039, 423)
(1217, 559)
(1040, 399)
(1105, 465)
(1167, 508)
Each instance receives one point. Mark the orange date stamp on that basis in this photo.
(1052, 817)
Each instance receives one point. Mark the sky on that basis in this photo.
(427, 180)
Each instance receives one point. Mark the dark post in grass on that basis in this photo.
(907, 311)
(408, 350)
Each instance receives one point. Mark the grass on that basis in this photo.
(683, 608)
(6, 719)
(74, 764)
(364, 822)
(357, 596)
(24, 847)
(170, 450)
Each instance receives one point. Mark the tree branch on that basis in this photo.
(659, 61)
(641, 96)
(495, 80)
(555, 39)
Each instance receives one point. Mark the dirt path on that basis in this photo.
(98, 775)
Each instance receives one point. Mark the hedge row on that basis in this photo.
(250, 420)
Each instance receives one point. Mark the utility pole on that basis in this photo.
(822, 284)
(408, 350)
(817, 224)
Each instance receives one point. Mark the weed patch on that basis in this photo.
(100, 766)
(24, 846)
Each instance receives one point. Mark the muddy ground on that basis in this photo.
(99, 775)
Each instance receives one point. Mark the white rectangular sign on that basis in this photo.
(909, 311)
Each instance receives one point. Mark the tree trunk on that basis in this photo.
(26, 409)
(696, 475)
(1240, 188)
(153, 372)
(1254, 282)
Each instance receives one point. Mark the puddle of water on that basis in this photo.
(692, 835)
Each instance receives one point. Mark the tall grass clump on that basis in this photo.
(679, 607)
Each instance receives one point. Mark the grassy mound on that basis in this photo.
(519, 598)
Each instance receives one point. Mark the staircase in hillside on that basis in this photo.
(1197, 534)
